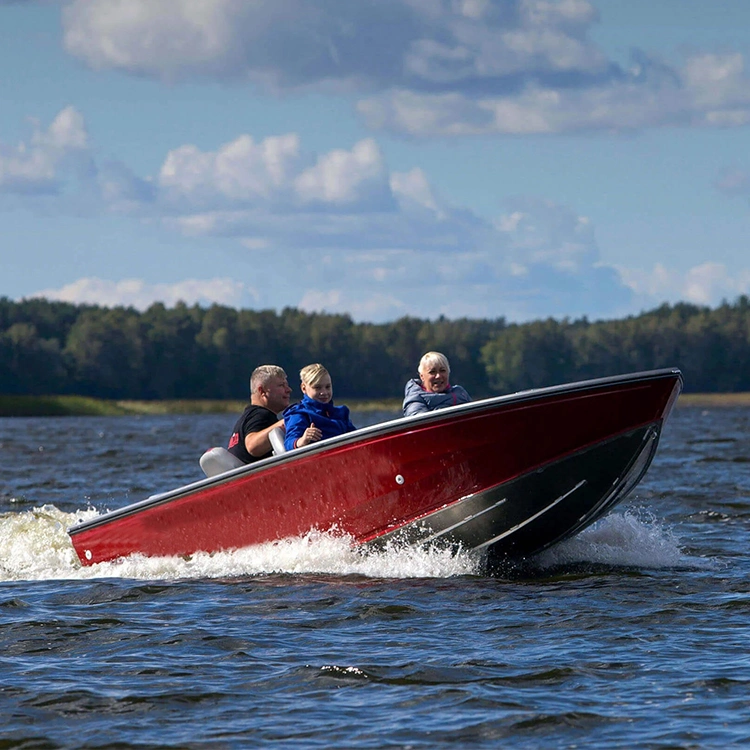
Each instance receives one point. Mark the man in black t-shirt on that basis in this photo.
(269, 395)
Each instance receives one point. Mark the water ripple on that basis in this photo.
(633, 634)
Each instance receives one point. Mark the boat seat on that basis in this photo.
(218, 460)
(276, 437)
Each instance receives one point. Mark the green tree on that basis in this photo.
(170, 354)
(105, 353)
(529, 356)
(29, 363)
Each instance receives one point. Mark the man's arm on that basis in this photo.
(257, 443)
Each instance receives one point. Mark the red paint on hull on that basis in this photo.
(371, 482)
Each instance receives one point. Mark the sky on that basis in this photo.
(379, 158)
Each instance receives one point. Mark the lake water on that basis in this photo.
(634, 634)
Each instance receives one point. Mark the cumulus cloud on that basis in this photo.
(346, 177)
(438, 68)
(274, 174)
(337, 231)
(41, 164)
(173, 37)
(378, 306)
(241, 171)
(367, 44)
(705, 284)
(358, 238)
(413, 187)
(708, 91)
(140, 294)
(352, 235)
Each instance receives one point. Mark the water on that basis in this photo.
(634, 634)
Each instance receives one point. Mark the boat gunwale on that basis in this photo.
(382, 429)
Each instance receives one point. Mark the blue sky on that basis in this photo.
(481, 158)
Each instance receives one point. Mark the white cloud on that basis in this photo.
(286, 43)
(139, 294)
(545, 234)
(67, 132)
(377, 306)
(240, 171)
(350, 233)
(709, 91)
(291, 43)
(173, 36)
(438, 68)
(339, 231)
(705, 284)
(716, 80)
(273, 175)
(40, 165)
(421, 256)
(413, 187)
(345, 177)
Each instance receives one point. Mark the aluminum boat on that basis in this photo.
(509, 475)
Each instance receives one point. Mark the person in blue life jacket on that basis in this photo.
(432, 389)
(315, 417)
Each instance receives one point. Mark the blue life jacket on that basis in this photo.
(329, 419)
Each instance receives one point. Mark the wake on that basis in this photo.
(34, 545)
(631, 539)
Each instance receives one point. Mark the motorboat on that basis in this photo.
(509, 475)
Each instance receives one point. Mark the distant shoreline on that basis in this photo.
(705, 400)
(85, 406)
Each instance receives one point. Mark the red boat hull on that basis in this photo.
(512, 474)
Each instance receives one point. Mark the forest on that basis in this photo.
(193, 352)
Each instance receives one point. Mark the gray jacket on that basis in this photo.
(417, 399)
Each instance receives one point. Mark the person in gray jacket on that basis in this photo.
(432, 390)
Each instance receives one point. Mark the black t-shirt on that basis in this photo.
(253, 419)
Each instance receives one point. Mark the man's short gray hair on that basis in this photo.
(261, 375)
(432, 359)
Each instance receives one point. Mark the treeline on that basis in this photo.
(190, 352)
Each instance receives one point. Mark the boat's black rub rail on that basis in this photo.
(378, 431)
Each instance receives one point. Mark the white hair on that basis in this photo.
(432, 359)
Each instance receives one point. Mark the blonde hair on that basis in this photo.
(431, 359)
(261, 375)
(312, 374)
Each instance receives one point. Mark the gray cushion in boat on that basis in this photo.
(218, 460)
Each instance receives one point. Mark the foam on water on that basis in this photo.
(34, 545)
(634, 538)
